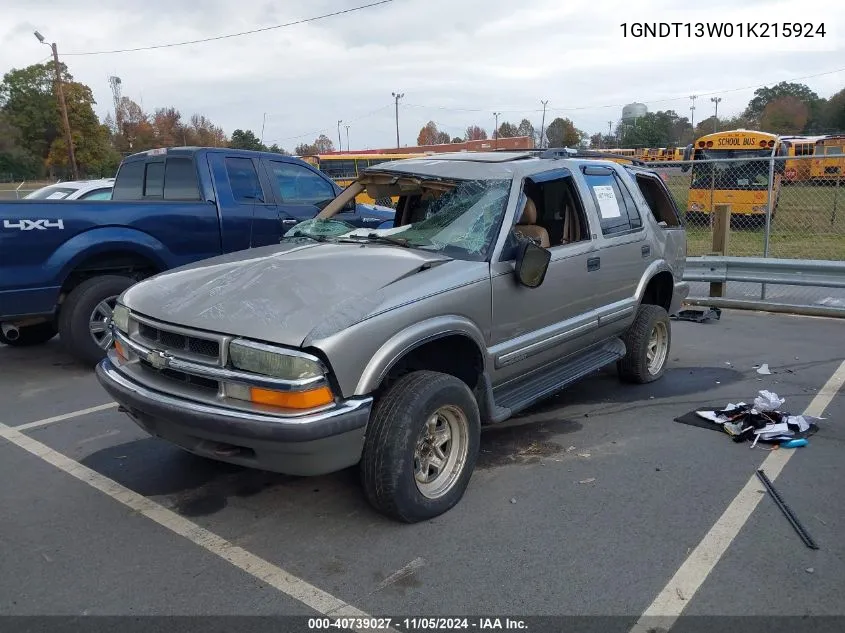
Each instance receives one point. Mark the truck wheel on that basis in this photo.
(421, 445)
(86, 314)
(647, 340)
(31, 335)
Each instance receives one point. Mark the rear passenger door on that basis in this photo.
(623, 252)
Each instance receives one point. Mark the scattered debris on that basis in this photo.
(819, 520)
(513, 499)
(657, 469)
(584, 455)
(802, 532)
(587, 481)
(570, 449)
(698, 315)
(809, 570)
(764, 369)
(680, 593)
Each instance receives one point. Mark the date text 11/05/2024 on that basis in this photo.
(722, 29)
(417, 624)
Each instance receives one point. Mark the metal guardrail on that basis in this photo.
(761, 270)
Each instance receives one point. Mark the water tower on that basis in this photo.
(633, 111)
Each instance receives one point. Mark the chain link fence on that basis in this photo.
(15, 190)
(781, 207)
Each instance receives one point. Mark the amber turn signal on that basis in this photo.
(291, 399)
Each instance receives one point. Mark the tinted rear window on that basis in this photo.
(154, 183)
(130, 181)
(180, 180)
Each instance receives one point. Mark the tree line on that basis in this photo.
(785, 108)
(560, 132)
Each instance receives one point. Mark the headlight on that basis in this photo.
(120, 317)
(273, 361)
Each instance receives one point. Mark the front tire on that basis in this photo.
(31, 335)
(647, 341)
(421, 446)
(86, 314)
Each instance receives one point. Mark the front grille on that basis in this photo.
(182, 377)
(176, 342)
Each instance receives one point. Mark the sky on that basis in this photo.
(456, 61)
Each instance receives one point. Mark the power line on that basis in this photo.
(230, 35)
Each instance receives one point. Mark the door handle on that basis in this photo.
(646, 250)
(593, 263)
(288, 221)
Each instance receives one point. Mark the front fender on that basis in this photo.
(411, 337)
(106, 240)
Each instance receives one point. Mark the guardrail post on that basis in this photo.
(721, 231)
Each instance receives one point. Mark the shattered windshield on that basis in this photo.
(460, 219)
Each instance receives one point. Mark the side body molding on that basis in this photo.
(418, 334)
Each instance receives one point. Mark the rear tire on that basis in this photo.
(31, 335)
(647, 341)
(426, 418)
(84, 316)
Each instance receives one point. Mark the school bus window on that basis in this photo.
(338, 168)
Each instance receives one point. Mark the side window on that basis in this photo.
(616, 208)
(344, 168)
(154, 180)
(659, 200)
(180, 180)
(243, 179)
(129, 184)
(97, 194)
(299, 185)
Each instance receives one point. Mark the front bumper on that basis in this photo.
(679, 295)
(315, 444)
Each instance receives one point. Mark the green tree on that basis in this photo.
(563, 133)
(507, 130)
(28, 99)
(457, 139)
(94, 153)
(763, 96)
(305, 149)
(15, 159)
(525, 128)
(833, 114)
(246, 139)
(277, 150)
(658, 129)
(786, 115)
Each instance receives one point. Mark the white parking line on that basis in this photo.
(65, 416)
(265, 571)
(676, 595)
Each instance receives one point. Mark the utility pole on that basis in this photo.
(610, 128)
(396, 97)
(263, 123)
(347, 137)
(63, 105)
(339, 142)
(496, 130)
(543, 124)
(716, 100)
(692, 99)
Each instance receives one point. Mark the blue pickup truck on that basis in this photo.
(64, 263)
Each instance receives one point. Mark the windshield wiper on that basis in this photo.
(376, 238)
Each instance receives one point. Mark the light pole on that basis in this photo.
(60, 91)
(543, 123)
(347, 137)
(263, 123)
(716, 100)
(692, 99)
(339, 142)
(610, 128)
(496, 130)
(396, 97)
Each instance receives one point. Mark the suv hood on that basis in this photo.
(278, 293)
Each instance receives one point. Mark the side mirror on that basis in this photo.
(532, 262)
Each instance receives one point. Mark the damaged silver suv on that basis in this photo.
(506, 278)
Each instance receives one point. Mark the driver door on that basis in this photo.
(301, 192)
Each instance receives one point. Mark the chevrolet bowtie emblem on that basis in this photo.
(157, 359)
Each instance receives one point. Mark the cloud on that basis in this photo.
(448, 57)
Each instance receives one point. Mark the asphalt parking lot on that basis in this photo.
(595, 503)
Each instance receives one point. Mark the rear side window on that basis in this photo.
(617, 211)
(180, 180)
(97, 194)
(244, 180)
(129, 184)
(154, 180)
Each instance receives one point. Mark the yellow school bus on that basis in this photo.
(798, 170)
(344, 168)
(829, 162)
(742, 184)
